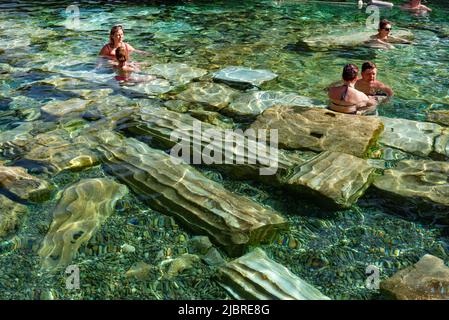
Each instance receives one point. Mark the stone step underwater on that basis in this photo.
(320, 176)
(255, 276)
(175, 188)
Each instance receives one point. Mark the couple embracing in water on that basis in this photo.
(118, 52)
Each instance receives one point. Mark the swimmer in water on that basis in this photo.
(384, 36)
(415, 6)
(124, 69)
(369, 85)
(116, 37)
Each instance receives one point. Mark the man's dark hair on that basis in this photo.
(383, 23)
(368, 65)
(350, 71)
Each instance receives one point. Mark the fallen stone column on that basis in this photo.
(255, 276)
(175, 188)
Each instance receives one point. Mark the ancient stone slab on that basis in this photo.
(180, 73)
(177, 189)
(60, 108)
(251, 104)
(81, 210)
(215, 96)
(22, 184)
(247, 158)
(333, 177)
(319, 129)
(244, 76)
(428, 279)
(255, 276)
(419, 185)
(352, 39)
(412, 136)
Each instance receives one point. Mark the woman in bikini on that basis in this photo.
(115, 41)
(347, 99)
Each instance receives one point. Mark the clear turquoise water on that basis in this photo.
(334, 250)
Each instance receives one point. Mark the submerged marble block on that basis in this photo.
(60, 108)
(179, 73)
(352, 39)
(255, 276)
(177, 189)
(23, 185)
(413, 136)
(418, 185)
(428, 279)
(10, 214)
(319, 129)
(334, 178)
(213, 95)
(159, 124)
(242, 76)
(79, 213)
(251, 104)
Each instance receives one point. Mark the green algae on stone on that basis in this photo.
(10, 215)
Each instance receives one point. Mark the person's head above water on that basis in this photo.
(350, 72)
(369, 71)
(116, 35)
(384, 28)
(121, 54)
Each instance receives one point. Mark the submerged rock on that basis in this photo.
(255, 276)
(60, 108)
(246, 158)
(420, 186)
(25, 186)
(251, 104)
(439, 116)
(215, 96)
(79, 213)
(352, 39)
(151, 88)
(175, 188)
(10, 214)
(243, 77)
(180, 73)
(335, 179)
(428, 279)
(319, 129)
(410, 136)
(21, 132)
(179, 264)
(140, 271)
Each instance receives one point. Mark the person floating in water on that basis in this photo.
(369, 85)
(346, 98)
(116, 37)
(415, 6)
(384, 36)
(124, 69)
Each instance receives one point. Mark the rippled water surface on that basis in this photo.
(44, 56)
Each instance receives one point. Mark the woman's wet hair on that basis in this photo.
(113, 31)
(121, 54)
(350, 72)
(383, 23)
(368, 66)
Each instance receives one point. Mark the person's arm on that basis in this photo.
(386, 44)
(132, 49)
(104, 51)
(382, 87)
(426, 8)
(400, 40)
